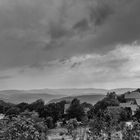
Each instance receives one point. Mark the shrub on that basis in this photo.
(22, 128)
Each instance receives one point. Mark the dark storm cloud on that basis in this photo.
(108, 23)
(100, 13)
(82, 25)
(122, 27)
(34, 32)
(56, 31)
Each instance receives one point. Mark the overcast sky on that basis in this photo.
(69, 44)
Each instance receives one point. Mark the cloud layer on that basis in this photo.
(64, 39)
(117, 68)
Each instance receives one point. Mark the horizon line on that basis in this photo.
(70, 88)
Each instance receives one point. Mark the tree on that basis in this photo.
(37, 105)
(52, 110)
(111, 95)
(137, 90)
(72, 126)
(61, 105)
(75, 110)
(87, 105)
(22, 106)
(107, 122)
(121, 98)
(100, 106)
(126, 114)
(1, 109)
(22, 128)
(96, 126)
(132, 133)
(5, 106)
(110, 122)
(49, 122)
(13, 111)
(137, 114)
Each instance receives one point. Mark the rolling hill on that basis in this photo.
(90, 95)
(17, 96)
(83, 98)
(94, 96)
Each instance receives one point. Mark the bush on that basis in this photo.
(13, 111)
(49, 122)
(72, 124)
(75, 110)
(22, 128)
(132, 133)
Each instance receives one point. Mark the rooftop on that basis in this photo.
(132, 95)
(132, 106)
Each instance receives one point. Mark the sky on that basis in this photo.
(69, 44)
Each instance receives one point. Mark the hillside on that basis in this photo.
(88, 94)
(83, 98)
(94, 96)
(17, 96)
(122, 90)
(71, 92)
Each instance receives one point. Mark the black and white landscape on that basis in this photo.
(56, 95)
(69, 69)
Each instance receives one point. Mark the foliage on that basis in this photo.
(37, 105)
(22, 128)
(100, 106)
(13, 111)
(111, 95)
(106, 123)
(61, 105)
(121, 98)
(34, 115)
(75, 110)
(49, 122)
(96, 126)
(72, 125)
(110, 121)
(125, 114)
(22, 106)
(5, 106)
(105, 117)
(137, 90)
(132, 133)
(137, 114)
(87, 105)
(53, 110)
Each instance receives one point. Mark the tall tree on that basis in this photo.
(37, 105)
(13, 111)
(22, 106)
(100, 106)
(75, 110)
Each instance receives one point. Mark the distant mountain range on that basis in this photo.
(90, 95)
(99, 94)
(18, 96)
